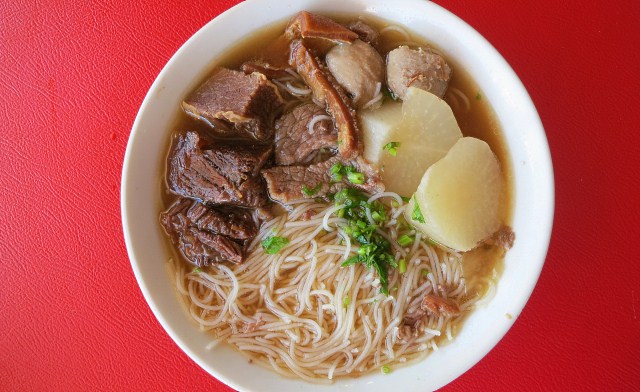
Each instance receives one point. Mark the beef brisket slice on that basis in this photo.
(217, 171)
(206, 235)
(294, 142)
(251, 102)
(288, 183)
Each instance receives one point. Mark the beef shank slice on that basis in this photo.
(295, 142)
(288, 183)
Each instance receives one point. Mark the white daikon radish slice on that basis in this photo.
(460, 196)
(419, 131)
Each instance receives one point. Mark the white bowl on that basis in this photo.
(531, 162)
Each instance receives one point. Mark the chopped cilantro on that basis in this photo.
(310, 192)
(374, 250)
(417, 214)
(274, 244)
(392, 148)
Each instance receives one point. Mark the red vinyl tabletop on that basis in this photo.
(72, 77)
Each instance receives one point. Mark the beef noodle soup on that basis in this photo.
(337, 198)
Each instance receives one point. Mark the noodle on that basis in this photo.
(304, 314)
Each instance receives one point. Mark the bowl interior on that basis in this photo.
(534, 194)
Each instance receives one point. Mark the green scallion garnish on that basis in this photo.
(392, 148)
(311, 191)
(197, 270)
(402, 266)
(417, 214)
(385, 369)
(274, 244)
(405, 240)
(355, 178)
(346, 301)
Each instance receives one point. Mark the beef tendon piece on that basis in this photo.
(206, 235)
(308, 25)
(326, 92)
(291, 183)
(419, 68)
(302, 132)
(250, 102)
(218, 172)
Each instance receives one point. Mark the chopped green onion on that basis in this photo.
(385, 369)
(355, 178)
(417, 214)
(392, 148)
(405, 240)
(425, 273)
(405, 199)
(402, 266)
(274, 244)
(346, 301)
(197, 270)
(478, 97)
(336, 168)
(310, 192)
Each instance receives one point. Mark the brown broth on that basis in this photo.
(478, 121)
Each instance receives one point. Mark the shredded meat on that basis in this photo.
(264, 68)
(504, 238)
(438, 305)
(295, 143)
(288, 183)
(308, 25)
(332, 97)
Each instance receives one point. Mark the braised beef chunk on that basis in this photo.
(218, 171)
(296, 142)
(308, 25)
(233, 222)
(365, 32)
(418, 68)
(327, 92)
(251, 102)
(206, 235)
(291, 183)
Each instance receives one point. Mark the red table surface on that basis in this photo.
(72, 76)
